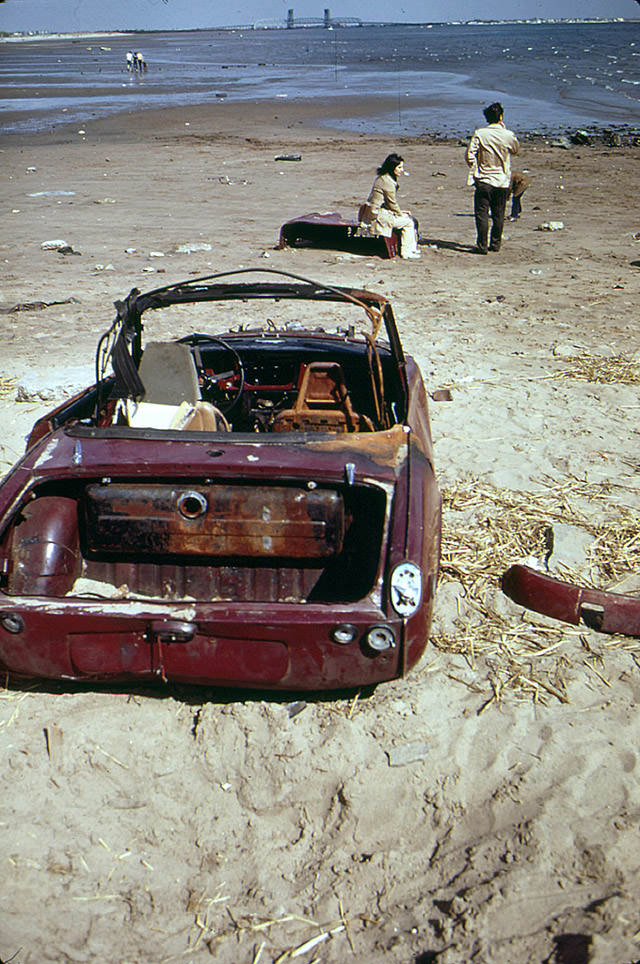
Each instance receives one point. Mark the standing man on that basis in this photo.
(489, 158)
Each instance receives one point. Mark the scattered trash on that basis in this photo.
(192, 247)
(636, 236)
(130, 250)
(535, 271)
(40, 305)
(294, 708)
(31, 170)
(551, 226)
(103, 267)
(67, 249)
(53, 245)
(265, 254)
(156, 254)
(82, 132)
(105, 200)
(562, 142)
(288, 157)
(581, 137)
(441, 395)
(52, 194)
(400, 756)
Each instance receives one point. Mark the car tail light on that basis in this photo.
(380, 638)
(344, 633)
(12, 623)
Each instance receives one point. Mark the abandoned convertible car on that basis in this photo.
(254, 508)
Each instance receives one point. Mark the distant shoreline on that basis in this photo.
(20, 37)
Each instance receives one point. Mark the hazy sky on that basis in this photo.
(78, 15)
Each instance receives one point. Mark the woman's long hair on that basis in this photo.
(389, 165)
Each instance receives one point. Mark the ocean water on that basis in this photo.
(551, 77)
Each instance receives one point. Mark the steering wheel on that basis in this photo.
(224, 389)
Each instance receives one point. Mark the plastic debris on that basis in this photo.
(551, 226)
(52, 194)
(400, 756)
(193, 247)
(288, 157)
(53, 245)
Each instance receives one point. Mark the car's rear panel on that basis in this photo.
(217, 560)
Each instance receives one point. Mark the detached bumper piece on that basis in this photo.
(606, 612)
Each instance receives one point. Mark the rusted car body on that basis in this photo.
(254, 509)
(607, 612)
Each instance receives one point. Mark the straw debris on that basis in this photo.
(620, 369)
(485, 530)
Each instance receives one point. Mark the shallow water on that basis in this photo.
(550, 77)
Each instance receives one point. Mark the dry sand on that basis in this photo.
(175, 825)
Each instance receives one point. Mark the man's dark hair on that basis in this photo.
(493, 113)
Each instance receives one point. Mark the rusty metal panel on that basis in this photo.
(213, 521)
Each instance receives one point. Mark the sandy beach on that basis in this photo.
(485, 808)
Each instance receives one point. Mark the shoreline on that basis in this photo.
(305, 117)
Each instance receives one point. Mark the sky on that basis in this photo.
(88, 15)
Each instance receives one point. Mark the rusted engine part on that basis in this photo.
(607, 612)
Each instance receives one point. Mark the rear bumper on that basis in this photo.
(276, 646)
(607, 612)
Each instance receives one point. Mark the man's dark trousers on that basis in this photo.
(489, 200)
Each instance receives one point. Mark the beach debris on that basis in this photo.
(68, 249)
(636, 236)
(36, 387)
(400, 756)
(31, 170)
(130, 250)
(52, 194)
(294, 708)
(54, 244)
(581, 137)
(38, 305)
(441, 395)
(192, 247)
(156, 254)
(288, 157)
(562, 142)
(551, 226)
(105, 200)
(535, 271)
(265, 254)
(103, 267)
(81, 131)
(568, 547)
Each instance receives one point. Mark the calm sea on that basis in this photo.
(429, 78)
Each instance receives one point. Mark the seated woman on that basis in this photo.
(383, 212)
